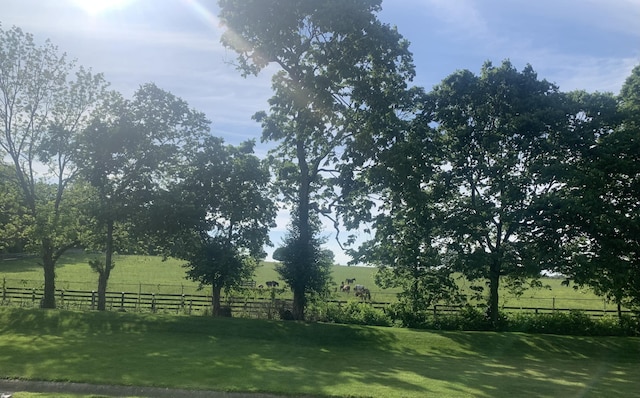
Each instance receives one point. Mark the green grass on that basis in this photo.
(317, 359)
(53, 395)
(151, 274)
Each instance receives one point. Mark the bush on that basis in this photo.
(467, 318)
(352, 313)
(471, 318)
(400, 314)
(575, 323)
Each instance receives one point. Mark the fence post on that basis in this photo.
(553, 304)
(122, 301)
(62, 298)
(4, 288)
(435, 310)
(153, 302)
(33, 296)
(93, 299)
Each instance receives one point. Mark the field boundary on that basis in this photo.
(250, 307)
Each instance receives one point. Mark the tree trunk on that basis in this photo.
(103, 275)
(618, 302)
(215, 299)
(48, 264)
(102, 290)
(494, 283)
(299, 303)
(304, 229)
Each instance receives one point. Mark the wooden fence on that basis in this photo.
(254, 307)
(596, 313)
(251, 307)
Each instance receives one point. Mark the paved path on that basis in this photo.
(11, 386)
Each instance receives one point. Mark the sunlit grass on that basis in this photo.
(317, 359)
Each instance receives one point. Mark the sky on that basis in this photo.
(590, 45)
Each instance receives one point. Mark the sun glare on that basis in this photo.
(95, 7)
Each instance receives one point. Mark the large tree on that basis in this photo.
(500, 131)
(42, 111)
(342, 78)
(131, 151)
(407, 222)
(596, 216)
(218, 216)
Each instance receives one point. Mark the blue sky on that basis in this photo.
(578, 44)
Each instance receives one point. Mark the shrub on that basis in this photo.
(352, 313)
(573, 323)
(400, 314)
(474, 319)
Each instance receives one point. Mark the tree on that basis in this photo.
(221, 214)
(596, 213)
(295, 269)
(404, 247)
(278, 254)
(342, 79)
(42, 113)
(130, 152)
(500, 132)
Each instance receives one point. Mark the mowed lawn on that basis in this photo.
(316, 359)
(151, 274)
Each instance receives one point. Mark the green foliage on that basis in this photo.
(574, 323)
(217, 217)
(467, 318)
(14, 218)
(325, 108)
(305, 267)
(46, 103)
(595, 217)
(354, 312)
(421, 287)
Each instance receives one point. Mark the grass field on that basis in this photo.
(233, 354)
(153, 275)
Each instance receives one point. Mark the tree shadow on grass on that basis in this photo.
(311, 359)
(9, 266)
(29, 263)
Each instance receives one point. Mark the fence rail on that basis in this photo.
(254, 307)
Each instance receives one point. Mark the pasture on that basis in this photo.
(151, 274)
(291, 358)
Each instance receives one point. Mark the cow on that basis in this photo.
(272, 284)
(358, 288)
(345, 288)
(350, 281)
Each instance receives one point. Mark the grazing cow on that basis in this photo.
(350, 281)
(358, 288)
(345, 288)
(272, 284)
